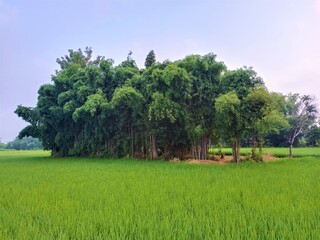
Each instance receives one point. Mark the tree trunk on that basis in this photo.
(153, 145)
(194, 150)
(254, 147)
(290, 150)
(143, 145)
(132, 139)
(260, 143)
(236, 151)
(146, 145)
(204, 147)
(200, 149)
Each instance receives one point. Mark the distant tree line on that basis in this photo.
(168, 109)
(2, 145)
(25, 143)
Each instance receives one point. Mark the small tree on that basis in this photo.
(261, 116)
(229, 121)
(254, 116)
(301, 114)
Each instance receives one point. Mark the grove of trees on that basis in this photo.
(25, 143)
(168, 109)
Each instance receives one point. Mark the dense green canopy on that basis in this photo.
(169, 109)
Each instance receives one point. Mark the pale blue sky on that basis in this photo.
(279, 38)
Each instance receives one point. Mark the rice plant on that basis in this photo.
(87, 198)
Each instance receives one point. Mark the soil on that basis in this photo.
(269, 158)
(226, 160)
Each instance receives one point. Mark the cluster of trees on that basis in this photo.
(312, 136)
(25, 143)
(2, 145)
(301, 114)
(169, 109)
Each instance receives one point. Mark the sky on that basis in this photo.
(280, 39)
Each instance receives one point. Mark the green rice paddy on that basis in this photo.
(277, 152)
(85, 198)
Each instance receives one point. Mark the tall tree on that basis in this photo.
(240, 106)
(127, 103)
(205, 72)
(150, 59)
(168, 108)
(229, 120)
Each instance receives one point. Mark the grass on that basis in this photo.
(277, 152)
(82, 198)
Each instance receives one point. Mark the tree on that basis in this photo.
(76, 57)
(301, 114)
(229, 120)
(205, 72)
(2, 145)
(127, 103)
(244, 102)
(313, 136)
(166, 110)
(247, 117)
(262, 115)
(276, 137)
(26, 143)
(150, 59)
(242, 81)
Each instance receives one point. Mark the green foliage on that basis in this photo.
(274, 151)
(228, 115)
(205, 73)
(2, 145)
(313, 136)
(127, 96)
(169, 109)
(253, 115)
(75, 57)
(83, 198)
(26, 143)
(163, 108)
(242, 81)
(302, 113)
(93, 104)
(150, 59)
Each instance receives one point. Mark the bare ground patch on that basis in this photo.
(224, 160)
(269, 158)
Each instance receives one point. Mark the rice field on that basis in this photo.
(86, 198)
(277, 152)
